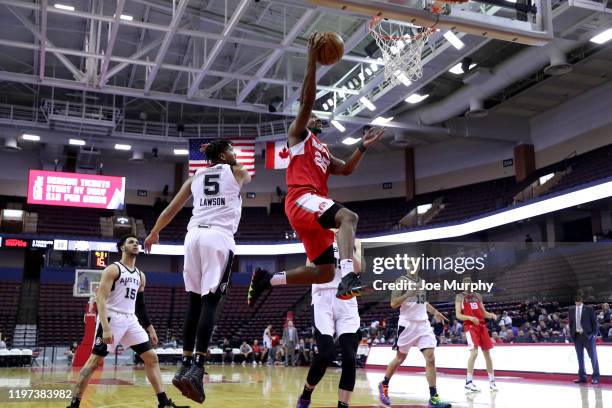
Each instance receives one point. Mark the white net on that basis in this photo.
(402, 47)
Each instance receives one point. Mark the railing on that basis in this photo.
(113, 117)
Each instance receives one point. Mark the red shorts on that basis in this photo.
(478, 336)
(303, 210)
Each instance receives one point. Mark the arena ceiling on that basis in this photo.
(214, 67)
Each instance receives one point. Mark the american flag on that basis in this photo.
(244, 149)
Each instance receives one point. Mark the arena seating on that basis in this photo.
(69, 221)
(60, 315)
(8, 307)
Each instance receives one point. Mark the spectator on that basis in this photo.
(2, 343)
(534, 338)
(496, 339)
(267, 345)
(521, 337)
(290, 339)
(303, 354)
(557, 337)
(247, 353)
(228, 354)
(509, 336)
(171, 344)
(374, 328)
(457, 328)
(502, 331)
(280, 351)
(274, 352)
(507, 320)
(256, 352)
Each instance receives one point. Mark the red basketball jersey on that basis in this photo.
(471, 307)
(309, 166)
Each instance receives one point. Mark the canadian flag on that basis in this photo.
(277, 155)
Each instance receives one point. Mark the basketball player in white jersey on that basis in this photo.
(414, 330)
(333, 316)
(122, 315)
(209, 250)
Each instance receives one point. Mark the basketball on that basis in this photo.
(333, 49)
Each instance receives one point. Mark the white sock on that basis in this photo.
(346, 266)
(491, 377)
(279, 278)
(468, 378)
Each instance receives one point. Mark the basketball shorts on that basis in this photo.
(478, 336)
(332, 315)
(208, 260)
(417, 334)
(303, 213)
(125, 329)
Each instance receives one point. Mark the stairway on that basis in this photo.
(25, 335)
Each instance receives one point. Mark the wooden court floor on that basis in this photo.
(279, 387)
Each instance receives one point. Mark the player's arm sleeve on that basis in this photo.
(141, 309)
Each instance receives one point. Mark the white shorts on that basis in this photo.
(417, 334)
(207, 260)
(125, 330)
(332, 315)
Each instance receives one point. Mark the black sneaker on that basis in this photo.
(73, 404)
(193, 384)
(260, 282)
(170, 404)
(176, 381)
(350, 286)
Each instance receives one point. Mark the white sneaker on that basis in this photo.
(493, 386)
(471, 387)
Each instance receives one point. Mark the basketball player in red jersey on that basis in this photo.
(310, 212)
(470, 309)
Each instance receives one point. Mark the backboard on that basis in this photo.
(86, 282)
(509, 20)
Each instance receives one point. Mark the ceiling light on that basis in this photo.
(126, 17)
(63, 7)
(602, 37)
(544, 179)
(416, 98)
(77, 142)
(374, 67)
(119, 146)
(181, 152)
(454, 40)
(325, 106)
(361, 76)
(338, 125)
(366, 102)
(350, 85)
(368, 71)
(350, 141)
(330, 102)
(356, 82)
(382, 121)
(32, 138)
(457, 69)
(403, 78)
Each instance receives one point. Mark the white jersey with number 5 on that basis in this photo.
(216, 198)
(122, 297)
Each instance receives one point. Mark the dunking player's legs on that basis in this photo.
(346, 222)
(190, 326)
(192, 382)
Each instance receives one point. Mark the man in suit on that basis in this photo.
(583, 331)
(290, 338)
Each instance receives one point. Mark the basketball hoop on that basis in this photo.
(401, 44)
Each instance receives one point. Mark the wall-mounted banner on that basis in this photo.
(76, 190)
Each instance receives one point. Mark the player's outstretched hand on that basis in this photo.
(150, 240)
(315, 43)
(372, 136)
